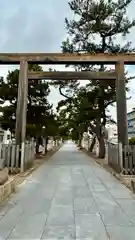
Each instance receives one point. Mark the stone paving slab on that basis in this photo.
(29, 227)
(69, 197)
(85, 206)
(61, 216)
(115, 217)
(8, 222)
(90, 226)
(59, 232)
(121, 233)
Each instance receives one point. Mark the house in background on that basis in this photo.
(131, 123)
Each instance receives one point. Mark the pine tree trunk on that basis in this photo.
(80, 140)
(37, 148)
(92, 144)
(46, 143)
(101, 146)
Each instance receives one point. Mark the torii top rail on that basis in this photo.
(61, 58)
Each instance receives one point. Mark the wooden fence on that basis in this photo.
(113, 159)
(126, 164)
(129, 160)
(10, 156)
(29, 154)
(121, 160)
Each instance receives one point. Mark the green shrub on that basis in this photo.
(132, 141)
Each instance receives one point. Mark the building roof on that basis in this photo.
(131, 111)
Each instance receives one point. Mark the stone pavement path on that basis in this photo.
(69, 197)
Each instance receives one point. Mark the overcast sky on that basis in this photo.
(38, 26)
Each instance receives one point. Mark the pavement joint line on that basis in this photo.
(116, 201)
(49, 208)
(73, 206)
(96, 205)
(19, 178)
(14, 225)
(118, 176)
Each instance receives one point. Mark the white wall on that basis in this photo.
(7, 137)
(112, 131)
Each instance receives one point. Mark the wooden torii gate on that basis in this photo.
(59, 58)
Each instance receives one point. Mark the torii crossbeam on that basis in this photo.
(83, 75)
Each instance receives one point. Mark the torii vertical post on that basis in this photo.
(121, 109)
(19, 107)
(21, 112)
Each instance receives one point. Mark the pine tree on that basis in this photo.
(38, 109)
(95, 28)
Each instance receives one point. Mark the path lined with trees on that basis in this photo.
(70, 197)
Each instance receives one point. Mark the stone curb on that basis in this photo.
(10, 186)
(6, 189)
